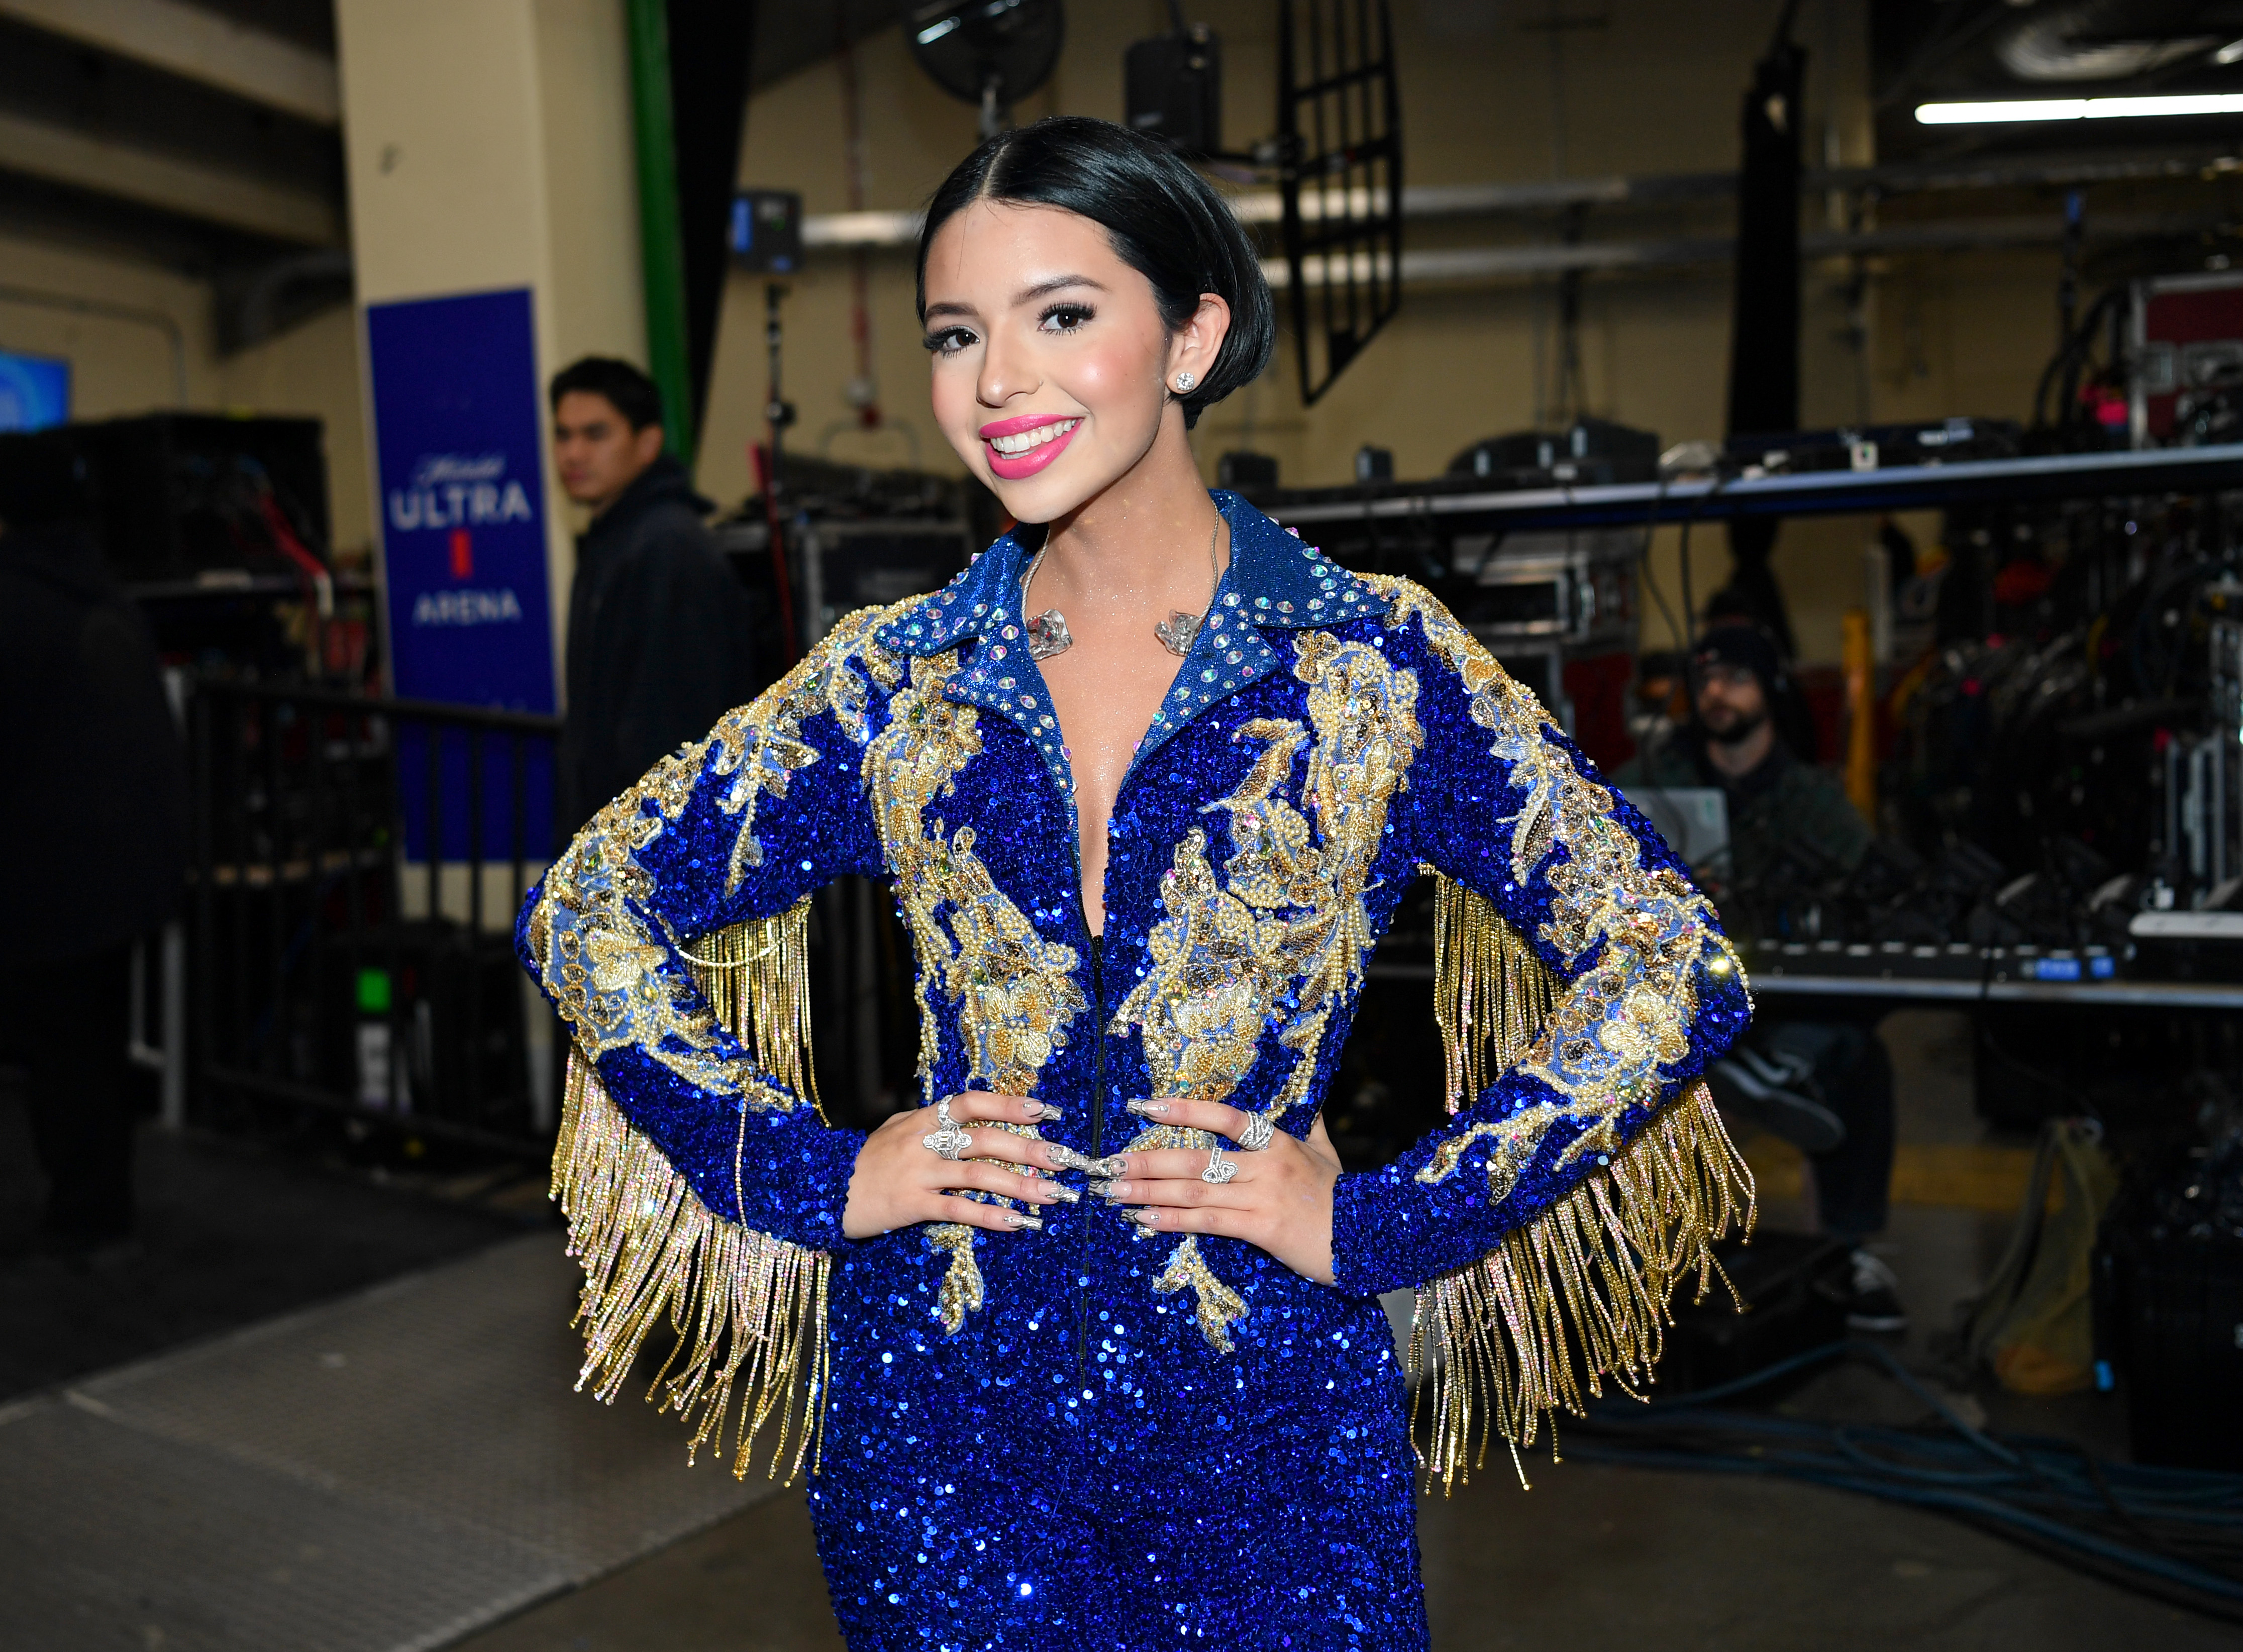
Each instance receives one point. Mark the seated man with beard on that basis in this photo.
(1826, 1085)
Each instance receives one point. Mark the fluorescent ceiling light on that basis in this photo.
(933, 32)
(2219, 103)
(2229, 53)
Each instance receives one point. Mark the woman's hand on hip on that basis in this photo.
(1280, 1198)
(899, 1181)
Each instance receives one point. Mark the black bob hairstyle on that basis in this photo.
(1164, 219)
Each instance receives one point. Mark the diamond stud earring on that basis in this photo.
(1184, 381)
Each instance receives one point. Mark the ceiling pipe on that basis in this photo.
(2097, 40)
(841, 231)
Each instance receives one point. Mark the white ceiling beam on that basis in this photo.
(186, 187)
(199, 45)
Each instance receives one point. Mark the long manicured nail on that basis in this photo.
(1149, 1109)
(1144, 1219)
(1112, 1165)
(1058, 1191)
(1104, 1189)
(1021, 1219)
(1043, 1110)
(1114, 1192)
(1068, 1159)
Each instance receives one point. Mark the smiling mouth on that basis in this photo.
(1012, 447)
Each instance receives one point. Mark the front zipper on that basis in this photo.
(1097, 1124)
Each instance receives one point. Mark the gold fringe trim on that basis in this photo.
(1490, 988)
(1588, 1283)
(756, 975)
(748, 1310)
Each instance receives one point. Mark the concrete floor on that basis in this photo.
(1594, 1556)
(230, 1234)
(1592, 1559)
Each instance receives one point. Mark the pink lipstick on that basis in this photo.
(1020, 448)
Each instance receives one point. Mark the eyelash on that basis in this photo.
(951, 340)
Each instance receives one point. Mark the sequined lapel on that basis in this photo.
(981, 606)
(1274, 583)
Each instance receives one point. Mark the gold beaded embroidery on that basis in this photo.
(605, 967)
(1611, 1028)
(1288, 919)
(1015, 992)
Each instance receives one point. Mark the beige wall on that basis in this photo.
(120, 366)
(488, 145)
(1656, 91)
(1951, 332)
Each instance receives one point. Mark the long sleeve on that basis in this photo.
(699, 1179)
(1567, 1196)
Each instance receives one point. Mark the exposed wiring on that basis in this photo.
(2175, 1534)
(1643, 562)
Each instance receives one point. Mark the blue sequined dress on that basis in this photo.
(1086, 1437)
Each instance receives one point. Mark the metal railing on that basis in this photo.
(357, 866)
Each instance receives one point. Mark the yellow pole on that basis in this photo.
(1861, 714)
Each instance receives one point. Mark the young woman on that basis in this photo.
(1092, 1346)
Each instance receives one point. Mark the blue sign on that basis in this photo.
(33, 391)
(460, 454)
(461, 461)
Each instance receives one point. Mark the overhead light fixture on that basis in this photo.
(2231, 52)
(2217, 103)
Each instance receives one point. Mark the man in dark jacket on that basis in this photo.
(1792, 827)
(658, 623)
(1827, 1085)
(93, 823)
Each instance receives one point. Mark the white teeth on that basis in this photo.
(1013, 447)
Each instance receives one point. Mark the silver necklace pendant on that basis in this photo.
(1048, 635)
(1177, 630)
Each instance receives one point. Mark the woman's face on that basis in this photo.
(1052, 364)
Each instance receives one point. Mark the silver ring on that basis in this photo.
(1219, 1168)
(949, 1142)
(1255, 1137)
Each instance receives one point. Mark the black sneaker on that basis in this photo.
(1775, 1093)
(1874, 1304)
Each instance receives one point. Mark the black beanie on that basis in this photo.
(1745, 645)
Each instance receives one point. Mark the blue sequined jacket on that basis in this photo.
(1328, 738)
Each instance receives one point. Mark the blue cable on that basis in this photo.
(2032, 1489)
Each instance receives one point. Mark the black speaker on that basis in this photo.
(766, 234)
(1172, 88)
(2169, 1311)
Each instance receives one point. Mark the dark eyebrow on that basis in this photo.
(1028, 296)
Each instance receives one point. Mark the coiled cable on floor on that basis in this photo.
(2174, 1533)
